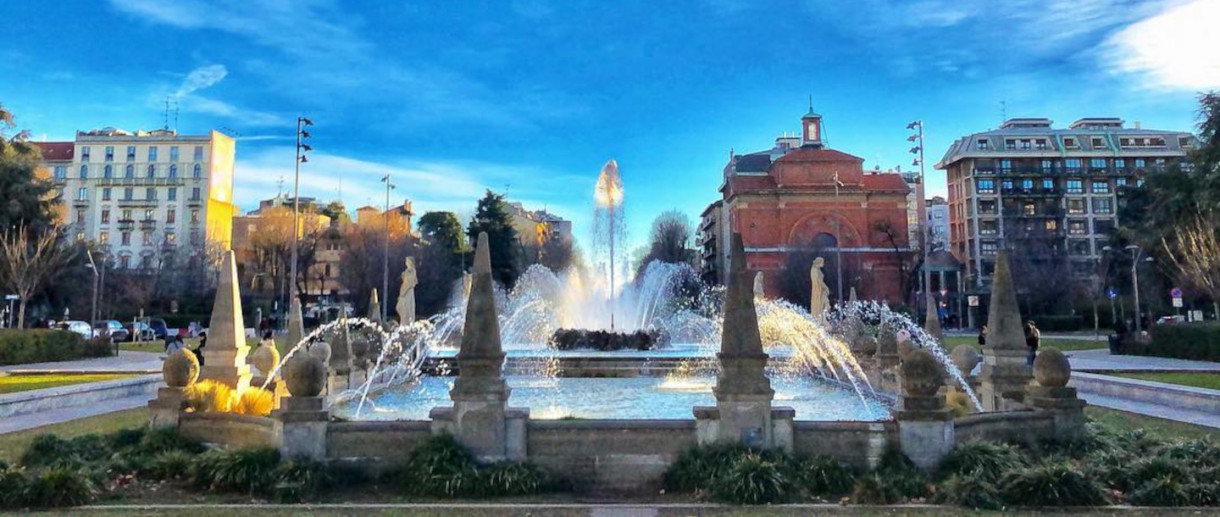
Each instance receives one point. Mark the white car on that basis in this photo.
(82, 328)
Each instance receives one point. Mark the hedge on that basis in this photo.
(1052, 323)
(24, 346)
(1199, 341)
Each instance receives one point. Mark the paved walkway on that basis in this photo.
(22, 422)
(1202, 418)
(125, 362)
(1100, 360)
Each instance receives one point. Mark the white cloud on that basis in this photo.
(200, 78)
(1174, 50)
(209, 106)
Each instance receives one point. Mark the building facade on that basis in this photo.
(1029, 182)
(801, 195)
(146, 197)
(533, 226)
(937, 223)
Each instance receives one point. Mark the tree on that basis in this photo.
(439, 260)
(26, 197)
(669, 241)
(443, 229)
(492, 216)
(29, 259)
(1195, 253)
(360, 266)
(895, 240)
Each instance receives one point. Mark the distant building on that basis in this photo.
(532, 225)
(800, 195)
(1027, 181)
(274, 215)
(145, 197)
(938, 223)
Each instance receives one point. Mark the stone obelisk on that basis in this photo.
(296, 322)
(1005, 375)
(225, 353)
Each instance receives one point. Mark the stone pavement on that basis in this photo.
(125, 362)
(1100, 360)
(11, 424)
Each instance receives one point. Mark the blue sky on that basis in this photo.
(533, 96)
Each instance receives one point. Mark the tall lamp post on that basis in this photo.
(385, 254)
(96, 277)
(917, 139)
(302, 148)
(1136, 253)
(838, 244)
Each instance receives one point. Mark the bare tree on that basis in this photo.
(895, 239)
(1197, 255)
(669, 241)
(28, 261)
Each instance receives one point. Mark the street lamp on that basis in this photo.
(302, 148)
(917, 138)
(1136, 253)
(385, 256)
(838, 244)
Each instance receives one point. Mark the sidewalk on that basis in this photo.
(125, 362)
(1100, 360)
(22, 422)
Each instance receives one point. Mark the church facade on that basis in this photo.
(801, 200)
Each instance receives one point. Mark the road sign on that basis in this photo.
(1177, 302)
(1111, 293)
(972, 300)
(1176, 292)
(11, 297)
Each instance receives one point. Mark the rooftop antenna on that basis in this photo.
(165, 115)
(175, 114)
(279, 189)
(811, 102)
(1003, 111)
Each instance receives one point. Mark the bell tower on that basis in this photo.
(811, 129)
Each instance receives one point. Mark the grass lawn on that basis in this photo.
(1195, 379)
(1124, 421)
(1064, 345)
(13, 444)
(159, 345)
(15, 383)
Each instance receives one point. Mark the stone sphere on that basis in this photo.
(905, 345)
(1051, 368)
(321, 351)
(181, 369)
(305, 375)
(965, 358)
(921, 374)
(887, 342)
(868, 345)
(265, 358)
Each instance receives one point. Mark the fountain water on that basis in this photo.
(608, 221)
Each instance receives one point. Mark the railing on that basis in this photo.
(150, 182)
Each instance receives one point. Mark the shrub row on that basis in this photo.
(24, 346)
(1199, 341)
(440, 467)
(1061, 323)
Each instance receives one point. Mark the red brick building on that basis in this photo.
(801, 196)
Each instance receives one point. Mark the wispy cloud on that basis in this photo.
(200, 78)
(189, 98)
(1174, 50)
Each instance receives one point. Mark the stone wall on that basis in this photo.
(1008, 426)
(229, 429)
(859, 444)
(609, 454)
(379, 445)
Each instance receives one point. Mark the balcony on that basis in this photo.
(137, 202)
(148, 223)
(141, 182)
(1042, 214)
(126, 224)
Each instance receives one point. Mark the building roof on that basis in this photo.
(753, 162)
(1083, 130)
(56, 151)
(811, 154)
(884, 182)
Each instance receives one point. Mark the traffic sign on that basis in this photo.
(972, 300)
(11, 297)
(1177, 302)
(1111, 293)
(1176, 292)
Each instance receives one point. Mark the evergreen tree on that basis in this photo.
(25, 197)
(442, 229)
(492, 216)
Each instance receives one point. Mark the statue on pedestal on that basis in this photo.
(406, 296)
(819, 298)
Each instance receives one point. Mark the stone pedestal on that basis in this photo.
(491, 431)
(925, 431)
(301, 427)
(165, 410)
(276, 387)
(1004, 378)
(714, 426)
(1064, 404)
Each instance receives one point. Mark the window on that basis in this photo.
(130, 172)
(1006, 185)
(1075, 187)
(80, 217)
(327, 271)
(1040, 144)
(195, 216)
(1010, 145)
(1006, 165)
(107, 171)
(1047, 166)
(103, 237)
(1097, 163)
(1070, 143)
(199, 153)
(1075, 206)
(1101, 187)
(84, 172)
(194, 237)
(150, 194)
(1027, 185)
(146, 238)
(152, 171)
(1099, 143)
(987, 207)
(1072, 164)
(131, 153)
(988, 227)
(195, 194)
(1120, 163)
(127, 192)
(105, 193)
(1078, 227)
(125, 239)
(1028, 208)
(126, 215)
(983, 186)
(1185, 142)
(173, 153)
(1103, 226)
(1140, 163)
(1103, 205)
(1080, 247)
(152, 153)
(173, 171)
(1052, 225)
(105, 216)
(61, 172)
(198, 172)
(84, 154)
(146, 260)
(150, 214)
(82, 194)
(170, 216)
(988, 248)
(171, 238)
(982, 144)
(172, 195)
(1048, 184)
(110, 153)
(1120, 182)
(124, 262)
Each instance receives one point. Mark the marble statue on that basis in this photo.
(406, 296)
(758, 285)
(819, 298)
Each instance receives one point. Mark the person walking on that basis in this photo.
(203, 341)
(1032, 339)
(983, 336)
(173, 345)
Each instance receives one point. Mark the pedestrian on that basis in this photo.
(1032, 337)
(203, 341)
(268, 338)
(983, 336)
(173, 346)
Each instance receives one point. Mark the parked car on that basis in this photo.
(139, 331)
(80, 327)
(160, 329)
(112, 329)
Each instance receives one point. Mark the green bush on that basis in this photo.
(1061, 323)
(1162, 491)
(1051, 483)
(990, 460)
(755, 479)
(24, 346)
(13, 484)
(441, 467)
(696, 468)
(170, 465)
(971, 490)
(165, 439)
(873, 489)
(901, 476)
(508, 479)
(1202, 494)
(821, 476)
(1199, 341)
(1201, 453)
(48, 450)
(247, 470)
(302, 478)
(1111, 468)
(58, 487)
